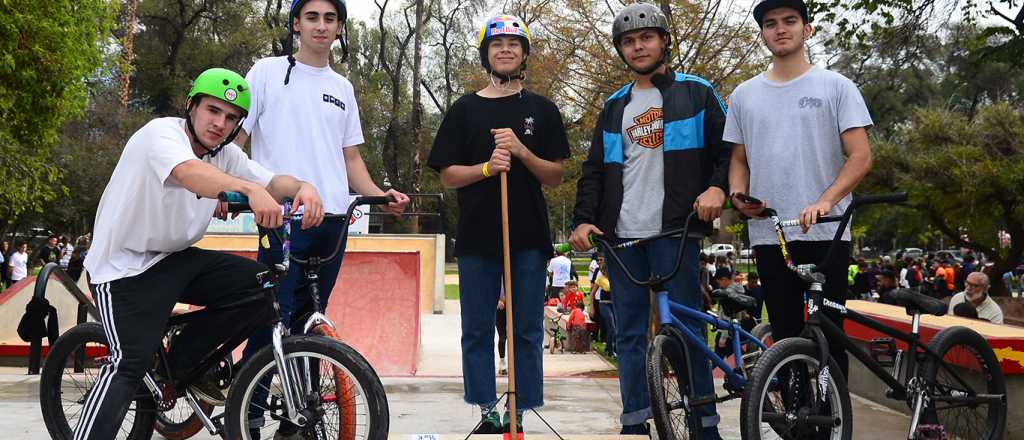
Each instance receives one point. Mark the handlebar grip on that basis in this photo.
(830, 218)
(374, 200)
(881, 198)
(232, 197)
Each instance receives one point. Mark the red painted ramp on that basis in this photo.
(375, 306)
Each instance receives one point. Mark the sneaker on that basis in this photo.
(490, 424)
(641, 429)
(293, 436)
(502, 367)
(506, 424)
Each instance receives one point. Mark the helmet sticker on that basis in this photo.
(230, 94)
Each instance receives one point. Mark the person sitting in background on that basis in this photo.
(755, 290)
(576, 328)
(723, 341)
(976, 294)
(965, 310)
(886, 285)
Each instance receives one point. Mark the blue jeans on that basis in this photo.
(632, 313)
(607, 311)
(293, 289)
(479, 287)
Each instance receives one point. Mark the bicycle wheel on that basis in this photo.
(763, 332)
(346, 397)
(783, 385)
(180, 422)
(315, 361)
(668, 383)
(970, 359)
(63, 392)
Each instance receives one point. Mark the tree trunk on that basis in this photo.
(128, 49)
(416, 116)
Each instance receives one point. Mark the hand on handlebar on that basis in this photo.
(580, 239)
(709, 204)
(266, 209)
(748, 209)
(809, 215)
(397, 206)
(313, 213)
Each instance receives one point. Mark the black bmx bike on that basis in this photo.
(953, 385)
(314, 384)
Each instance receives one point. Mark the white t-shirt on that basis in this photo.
(559, 267)
(989, 310)
(145, 214)
(65, 255)
(592, 269)
(300, 129)
(792, 133)
(19, 266)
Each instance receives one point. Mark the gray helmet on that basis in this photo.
(638, 16)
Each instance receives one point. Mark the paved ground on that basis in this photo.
(577, 407)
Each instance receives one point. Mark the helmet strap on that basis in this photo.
(212, 152)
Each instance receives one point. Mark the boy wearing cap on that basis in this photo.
(814, 121)
(157, 204)
(502, 128)
(656, 157)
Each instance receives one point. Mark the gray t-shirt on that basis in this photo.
(792, 136)
(643, 171)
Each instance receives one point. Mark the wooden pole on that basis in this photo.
(510, 344)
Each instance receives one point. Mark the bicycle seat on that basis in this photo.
(916, 302)
(734, 300)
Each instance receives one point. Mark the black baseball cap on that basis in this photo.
(767, 5)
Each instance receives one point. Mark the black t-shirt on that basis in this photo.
(465, 139)
(48, 254)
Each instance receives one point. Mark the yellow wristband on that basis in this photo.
(487, 169)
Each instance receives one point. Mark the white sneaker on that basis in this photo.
(502, 367)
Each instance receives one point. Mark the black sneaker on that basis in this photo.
(490, 424)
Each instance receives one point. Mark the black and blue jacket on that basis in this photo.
(696, 158)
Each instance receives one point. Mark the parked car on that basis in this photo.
(719, 250)
(949, 254)
(899, 254)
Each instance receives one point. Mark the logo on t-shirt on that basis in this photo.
(648, 129)
(809, 102)
(337, 102)
(528, 126)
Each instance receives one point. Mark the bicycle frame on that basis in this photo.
(819, 328)
(667, 312)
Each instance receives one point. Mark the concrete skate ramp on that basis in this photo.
(375, 306)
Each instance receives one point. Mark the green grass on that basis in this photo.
(451, 291)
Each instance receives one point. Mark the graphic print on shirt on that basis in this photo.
(528, 126)
(648, 129)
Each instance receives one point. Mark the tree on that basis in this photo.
(46, 53)
(964, 176)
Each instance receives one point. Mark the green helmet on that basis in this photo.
(223, 84)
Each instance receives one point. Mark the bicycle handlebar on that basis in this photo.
(238, 202)
(655, 279)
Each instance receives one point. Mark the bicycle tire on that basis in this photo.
(667, 361)
(373, 425)
(187, 427)
(343, 386)
(763, 377)
(972, 344)
(763, 333)
(55, 372)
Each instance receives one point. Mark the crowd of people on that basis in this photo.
(20, 261)
(963, 283)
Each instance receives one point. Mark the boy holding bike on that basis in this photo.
(157, 204)
(656, 156)
(305, 121)
(801, 143)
